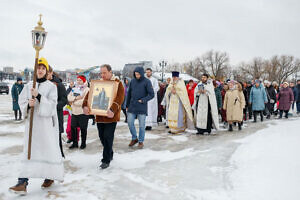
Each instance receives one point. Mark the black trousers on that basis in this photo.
(209, 122)
(82, 122)
(250, 112)
(106, 133)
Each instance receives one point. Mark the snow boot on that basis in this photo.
(20, 188)
(240, 126)
(230, 127)
(47, 183)
(141, 145)
(73, 146)
(104, 165)
(148, 128)
(82, 146)
(280, 114)
(261, 116)
(133, 142)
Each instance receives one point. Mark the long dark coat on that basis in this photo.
(285, 98)
(15, 91)
(61, 101)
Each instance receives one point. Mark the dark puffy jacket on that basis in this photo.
(139, 89)
(61, 101)
(271, 93)
(298, 93)
(295, 92)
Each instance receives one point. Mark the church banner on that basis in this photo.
(101, 96)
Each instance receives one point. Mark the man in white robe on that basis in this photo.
(164, 101)
(151, 119)
(178, 105)
(205, 106)
(46, 160)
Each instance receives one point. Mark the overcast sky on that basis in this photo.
(92, 32)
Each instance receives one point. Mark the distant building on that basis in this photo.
(129, 68)
(8, 70)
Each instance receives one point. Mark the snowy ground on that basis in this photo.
(261, 162)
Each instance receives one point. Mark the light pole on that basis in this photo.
(162, 65)
(38, 40)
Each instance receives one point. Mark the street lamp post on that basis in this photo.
(38, 40)
(162, 65)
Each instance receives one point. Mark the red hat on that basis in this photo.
(82, 78)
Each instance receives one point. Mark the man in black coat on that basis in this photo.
(248, 89)
(139, 93)
(62, 100)
(271, 95)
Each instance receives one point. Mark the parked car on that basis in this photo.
(4, 88)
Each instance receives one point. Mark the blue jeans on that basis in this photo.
(142, 119)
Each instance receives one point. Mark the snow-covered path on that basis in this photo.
(268, 163)
(260, 162)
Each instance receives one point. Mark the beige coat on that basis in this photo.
(76, 104)
(234, 103)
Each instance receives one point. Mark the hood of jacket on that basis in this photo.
(128, 79)
(140, 70)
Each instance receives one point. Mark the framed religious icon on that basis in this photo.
(101, 96)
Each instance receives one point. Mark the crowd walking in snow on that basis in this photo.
(201, 107)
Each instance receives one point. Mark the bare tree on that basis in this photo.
(255, 69)
(281, 68)
(213, 62)
(217, 63)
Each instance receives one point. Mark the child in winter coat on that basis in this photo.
(68, 111)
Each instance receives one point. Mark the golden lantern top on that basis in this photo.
(39, 35)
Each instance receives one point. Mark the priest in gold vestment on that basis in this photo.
(179, 109)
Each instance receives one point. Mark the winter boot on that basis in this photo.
(261, 116)
(74, 145)
(47, 183)
(20, 188)
(286, 115)
(104, 165)
(280, 114)
(240, 125)
(141, 145)
(148, 128)
(230, 127)
(133, 142)
(82, 146)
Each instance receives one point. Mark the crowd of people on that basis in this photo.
(197, 106)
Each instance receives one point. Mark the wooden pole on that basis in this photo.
(32, 109)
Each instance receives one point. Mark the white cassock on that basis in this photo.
(46, 159)
(164, 103)
(151, 119)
